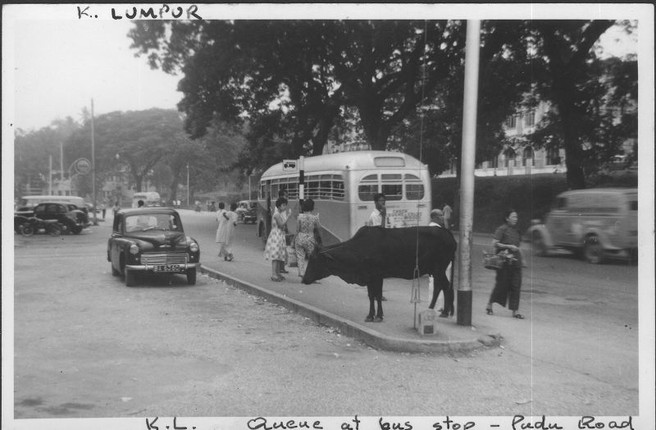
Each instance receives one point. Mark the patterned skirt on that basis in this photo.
(276, 247)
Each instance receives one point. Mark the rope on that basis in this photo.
(421, 159)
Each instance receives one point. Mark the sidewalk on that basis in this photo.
(343, 306)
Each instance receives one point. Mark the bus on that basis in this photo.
(343, 185)
(150, 198)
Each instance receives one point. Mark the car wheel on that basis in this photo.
(537, 245)
(27, 230)
(592, 250)
(76, 229)
(191, 276)
(114, 271)
(130, 278)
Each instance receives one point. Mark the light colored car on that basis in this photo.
(596, 222)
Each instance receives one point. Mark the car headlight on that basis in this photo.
(193, 247)
(134, 249)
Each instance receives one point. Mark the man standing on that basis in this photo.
(438, 220)
(377, 219)
(378, 216)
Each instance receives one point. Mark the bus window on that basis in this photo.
(414, 189)
(275, 187)
(338, 187)
(392, 186)
(292, 189)
(368, 187)
(313, 187)
(325, 187)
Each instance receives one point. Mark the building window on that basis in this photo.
(530, 119)
(511, 122)
(528, 156)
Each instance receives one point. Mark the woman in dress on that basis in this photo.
(509, 277)
(308, 235)
(222, 230)
(276, 247)
(231, 223)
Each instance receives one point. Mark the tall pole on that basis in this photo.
(188, 191)
(93, 167)
(467, 172)
(50, 176)
(250, 194)
(61, 161)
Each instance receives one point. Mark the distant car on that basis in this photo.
(247, 211)
(70, 216)
(151, 240)
(595, 222)
(28, 203)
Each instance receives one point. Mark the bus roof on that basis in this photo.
(353, 160)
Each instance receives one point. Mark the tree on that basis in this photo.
(139, 139)
(32, 151)
(564, 51)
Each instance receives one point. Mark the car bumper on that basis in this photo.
(151, 267)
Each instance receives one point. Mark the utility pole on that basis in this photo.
(467, 172)
(50, 176)
(93, 167)
(188, 191)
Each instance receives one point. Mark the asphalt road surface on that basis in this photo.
(85, 345)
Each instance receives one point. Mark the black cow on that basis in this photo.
(375, 253)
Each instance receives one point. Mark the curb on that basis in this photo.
(349, 328)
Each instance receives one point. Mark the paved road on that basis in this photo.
(87, 346)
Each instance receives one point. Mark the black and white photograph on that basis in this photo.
(349, 216)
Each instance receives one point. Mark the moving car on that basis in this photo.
(70, 216)
(151, 240)
(596, 222)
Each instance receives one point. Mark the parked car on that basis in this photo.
(247, 211)
(596, 222)
(27, 204)
(70, 216)
(151, 240)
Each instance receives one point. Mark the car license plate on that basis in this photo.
(168, 268)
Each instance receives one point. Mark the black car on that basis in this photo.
(151, 240)
(72, 219)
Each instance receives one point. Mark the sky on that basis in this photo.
(62, 60)
(61, 65)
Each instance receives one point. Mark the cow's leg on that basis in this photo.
(377, 285)
(370, 293)
(444, 285)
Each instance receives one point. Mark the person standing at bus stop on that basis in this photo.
(285, 216)
(308, 235)
(276, 246)
(377, 219)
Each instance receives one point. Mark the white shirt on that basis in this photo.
(376, 218)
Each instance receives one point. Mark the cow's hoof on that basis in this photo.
(378, 319)
(369, 319)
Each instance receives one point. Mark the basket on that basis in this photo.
(493, 261)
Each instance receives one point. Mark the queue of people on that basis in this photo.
(508, 279)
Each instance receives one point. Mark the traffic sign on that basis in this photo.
(289, 165)
(82, 166)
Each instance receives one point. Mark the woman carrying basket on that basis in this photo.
(509, 276)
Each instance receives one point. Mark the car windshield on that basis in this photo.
(146, 222)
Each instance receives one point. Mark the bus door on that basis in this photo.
(362, 200)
